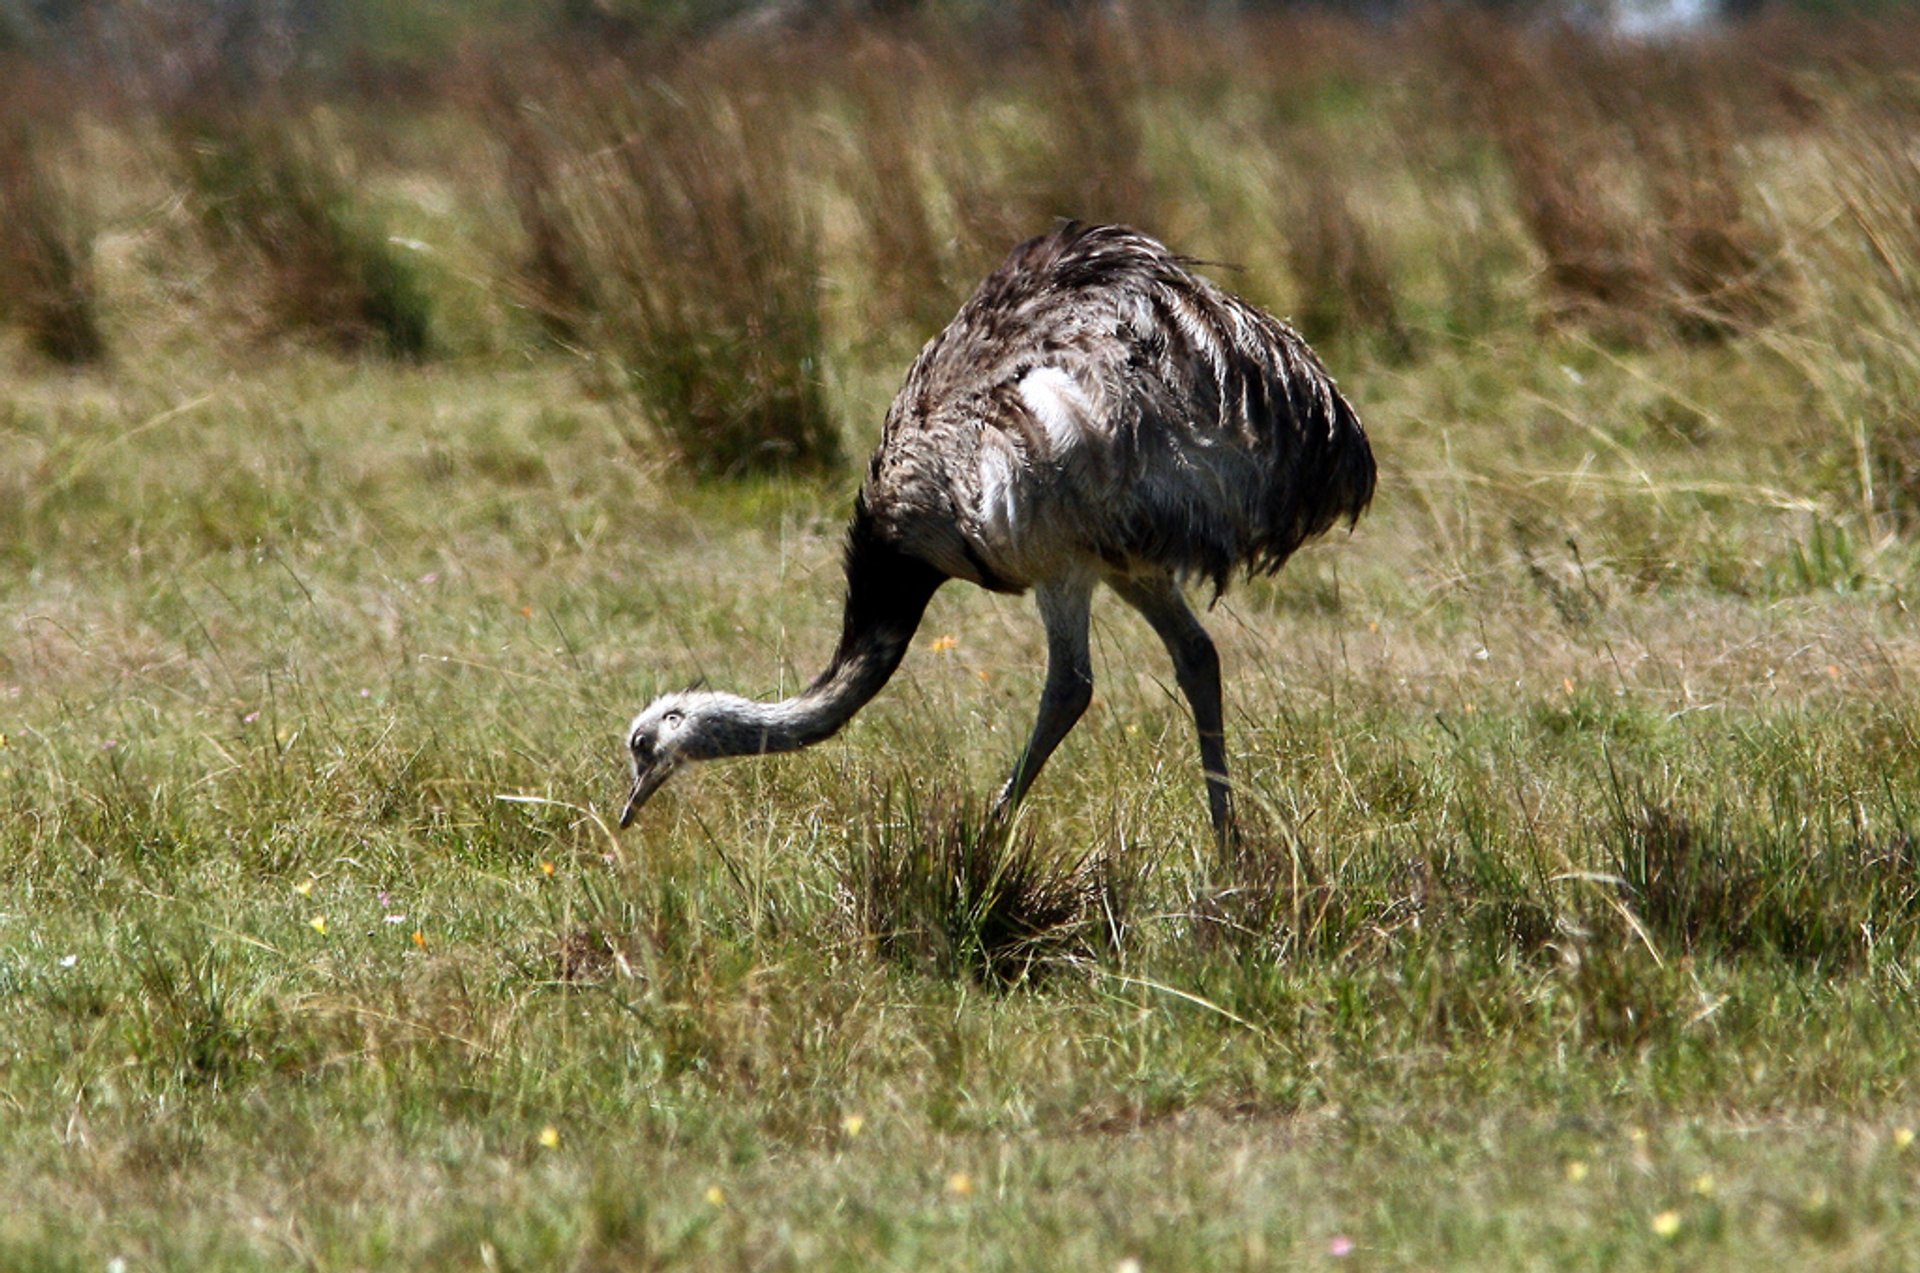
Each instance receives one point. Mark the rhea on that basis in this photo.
(1097, 412)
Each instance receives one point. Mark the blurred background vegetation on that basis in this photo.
(730, 214)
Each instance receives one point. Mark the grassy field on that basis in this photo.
(1578, 926)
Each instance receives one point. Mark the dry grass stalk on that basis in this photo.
(274, 197)
(46, 278)
(1344, 280)
(918, 273)
(701, 249)
(549, 273)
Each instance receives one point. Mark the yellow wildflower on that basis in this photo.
(960, 1185)
(1667, 1224)
(852, 1124)
(318, 924)
(550, 1137)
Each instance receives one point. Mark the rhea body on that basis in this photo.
(1096, 413)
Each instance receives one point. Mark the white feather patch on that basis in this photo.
(1059, 404)
(996, 488)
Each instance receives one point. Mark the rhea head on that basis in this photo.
(657, 741)
(678, 728)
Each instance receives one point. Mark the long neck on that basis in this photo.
(887, 593)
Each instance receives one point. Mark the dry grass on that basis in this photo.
(1093, 161)
(954, 160)
(1868, 276)
(1344, 281)
(1566, 178)
(275, 194)
(549, 273)
(46, 279)
(1623, 162)
(671, 203)
(907, 139)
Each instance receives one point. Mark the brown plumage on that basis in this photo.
(1096, 412)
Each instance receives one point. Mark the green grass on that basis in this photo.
(1575, 928)
(368, 666)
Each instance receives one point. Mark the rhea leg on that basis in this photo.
(1196, 665)
(1064, 608)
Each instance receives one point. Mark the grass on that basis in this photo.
(957, 892)
(1573, 926)
(273, 201)
(668, 206)
(46, 278)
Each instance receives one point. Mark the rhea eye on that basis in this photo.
(673, 720)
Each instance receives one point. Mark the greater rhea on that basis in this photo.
(1096, 413)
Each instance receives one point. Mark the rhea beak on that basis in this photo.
(646, 781)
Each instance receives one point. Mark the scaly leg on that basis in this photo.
(1196, 665)
(1064, 608)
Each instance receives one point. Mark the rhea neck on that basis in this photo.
(887, 593)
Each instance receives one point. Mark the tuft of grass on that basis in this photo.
(192, 1024)
(1094, 162)
(1864, 364)
(1821, 896)
(1565, 178)
(550, 272)
(272, 194)
(1266, 898)
(47, 282)
(1720, 262)
(909, 157)
(1678, 139)
(677, 198)
(947, 888)
(1623, 167)
(1346, 286)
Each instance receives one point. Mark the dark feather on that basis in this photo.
(1219, 442)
